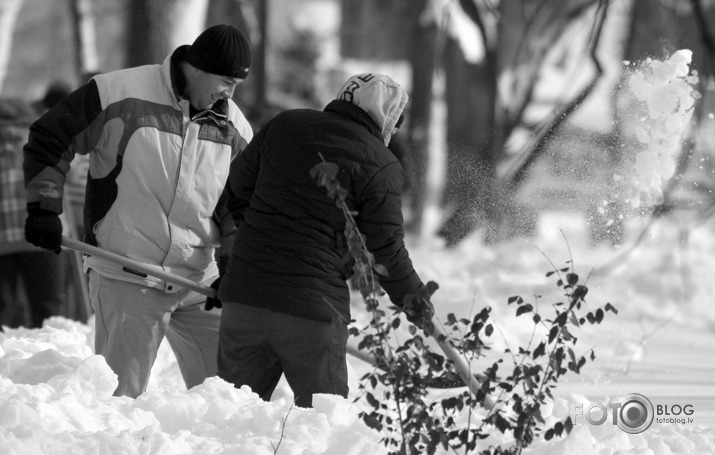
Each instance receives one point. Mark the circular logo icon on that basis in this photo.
(636, 413)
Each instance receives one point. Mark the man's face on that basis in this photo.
(204, 89)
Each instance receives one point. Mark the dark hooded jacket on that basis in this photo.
(290, 253)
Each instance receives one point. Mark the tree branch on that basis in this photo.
(558, 22)
(547, 130)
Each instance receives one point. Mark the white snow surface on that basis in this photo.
(56, 395)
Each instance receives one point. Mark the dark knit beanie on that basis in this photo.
(222, 50)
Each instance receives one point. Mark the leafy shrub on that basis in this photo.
(512, 392)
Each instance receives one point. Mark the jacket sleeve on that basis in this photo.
(242, 177)
(222, 214)
(380, 221)
(49, 151)
(222, 217)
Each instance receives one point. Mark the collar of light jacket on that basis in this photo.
(178, 85)
(178, 80)
(354, 113)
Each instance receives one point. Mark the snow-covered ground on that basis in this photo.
(55, 395)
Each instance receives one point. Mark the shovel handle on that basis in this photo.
(136, 266)
(439, 335)
(460, 365)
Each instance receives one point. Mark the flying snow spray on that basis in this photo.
(661, 101)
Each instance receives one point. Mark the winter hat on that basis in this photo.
(382, 98)
(222, 50)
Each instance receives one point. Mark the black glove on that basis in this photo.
(214, 302)
(44, 229)
(419, 312)
(418, 309)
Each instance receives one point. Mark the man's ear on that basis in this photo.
(191, 70)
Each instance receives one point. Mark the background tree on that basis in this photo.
(9, 10)
(157, 27)
(422, 53)
(85, 40)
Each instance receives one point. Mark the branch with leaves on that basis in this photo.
(398, 390)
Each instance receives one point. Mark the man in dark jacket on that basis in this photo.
(286, 300)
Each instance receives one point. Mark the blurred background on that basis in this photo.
(514, 103)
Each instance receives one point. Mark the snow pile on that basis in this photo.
(664, 100)
(604, 440)
(56, 397)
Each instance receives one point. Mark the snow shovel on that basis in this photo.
(137, 267)
(78, 276)
(132, 266)
(459, 364)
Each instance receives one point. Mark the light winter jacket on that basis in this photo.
(156, 175)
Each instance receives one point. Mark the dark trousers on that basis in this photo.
(256, 346)
(41, 276)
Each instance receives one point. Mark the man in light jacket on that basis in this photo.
(160, 139)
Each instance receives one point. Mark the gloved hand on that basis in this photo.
(214, 302)
(44, 229)
(419, 312)
(418, 309)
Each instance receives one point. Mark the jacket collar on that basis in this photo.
(218, 113)
(176, 76)
(354, 113)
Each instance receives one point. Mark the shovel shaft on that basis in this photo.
(136, 266)
(459, 363)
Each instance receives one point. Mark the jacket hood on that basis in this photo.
(381, 97)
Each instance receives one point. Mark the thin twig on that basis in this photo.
(283, 429)
(556, 270)
(644, 337)
(568, 247)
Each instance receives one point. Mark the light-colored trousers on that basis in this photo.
(131, 321)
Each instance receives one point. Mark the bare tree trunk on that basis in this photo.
(85, 38)
(471, 90)
(422, 55)
(470, 96)
(259, 65)
(157, 27)
(9, 10)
